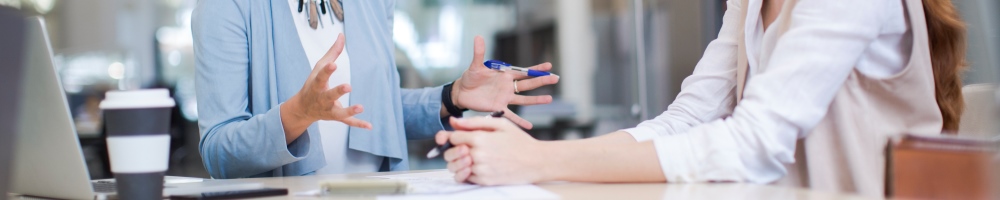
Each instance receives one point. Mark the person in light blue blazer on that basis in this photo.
(258, 101)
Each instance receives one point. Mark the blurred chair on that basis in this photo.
(951, 166)
(942, 167)
(982, 112)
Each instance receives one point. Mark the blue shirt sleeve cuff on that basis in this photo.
(422, 112)
(298, 149)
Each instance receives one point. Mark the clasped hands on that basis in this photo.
(494, 151)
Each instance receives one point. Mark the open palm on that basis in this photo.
(486, 90)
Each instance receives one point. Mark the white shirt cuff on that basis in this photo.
(675, 156)
(699, 157)
(641, 133)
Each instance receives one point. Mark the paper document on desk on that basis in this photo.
(442, 185)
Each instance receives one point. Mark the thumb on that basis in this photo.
(442, 137)
(478, 51)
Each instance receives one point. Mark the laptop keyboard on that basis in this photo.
(104, 186)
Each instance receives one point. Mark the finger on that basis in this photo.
(477, 123)
(485, 175)
(533, 83)
(441, 137)
(478, 52)
(475, 179)
(454, 166)
(546, 66)
(335, 50)
(516, 119)
(456, 153)
(324, 74)
(463, 175)
(355, 122)
(337, 92)
(459, 138)
(454, 122)
(540, 67)
(530, 100)
(460, 164)
(341, 113)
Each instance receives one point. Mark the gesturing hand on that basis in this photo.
(316, 101)
(486, 90)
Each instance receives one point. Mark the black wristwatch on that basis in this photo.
(448, 105)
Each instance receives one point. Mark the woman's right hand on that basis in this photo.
(316, 101)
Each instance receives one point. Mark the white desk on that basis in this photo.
(579, 190)
(593, 191)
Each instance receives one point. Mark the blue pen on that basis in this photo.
(502, 66)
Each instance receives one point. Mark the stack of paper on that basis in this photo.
(441, 185)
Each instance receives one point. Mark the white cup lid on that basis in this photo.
(131, 99)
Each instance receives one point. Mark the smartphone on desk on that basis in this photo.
(237, 194)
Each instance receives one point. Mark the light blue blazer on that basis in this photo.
(249, 60)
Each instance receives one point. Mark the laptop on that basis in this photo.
(11, 51)
(48, 160)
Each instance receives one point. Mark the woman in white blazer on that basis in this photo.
(795, 92)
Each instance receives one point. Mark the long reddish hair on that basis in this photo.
(946, 32)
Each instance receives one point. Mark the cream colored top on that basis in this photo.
(837, 76)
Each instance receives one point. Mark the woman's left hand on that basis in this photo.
(492, 151)
(483, 89)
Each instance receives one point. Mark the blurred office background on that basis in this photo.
(621, 61)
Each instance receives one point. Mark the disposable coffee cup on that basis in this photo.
(138, 130)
